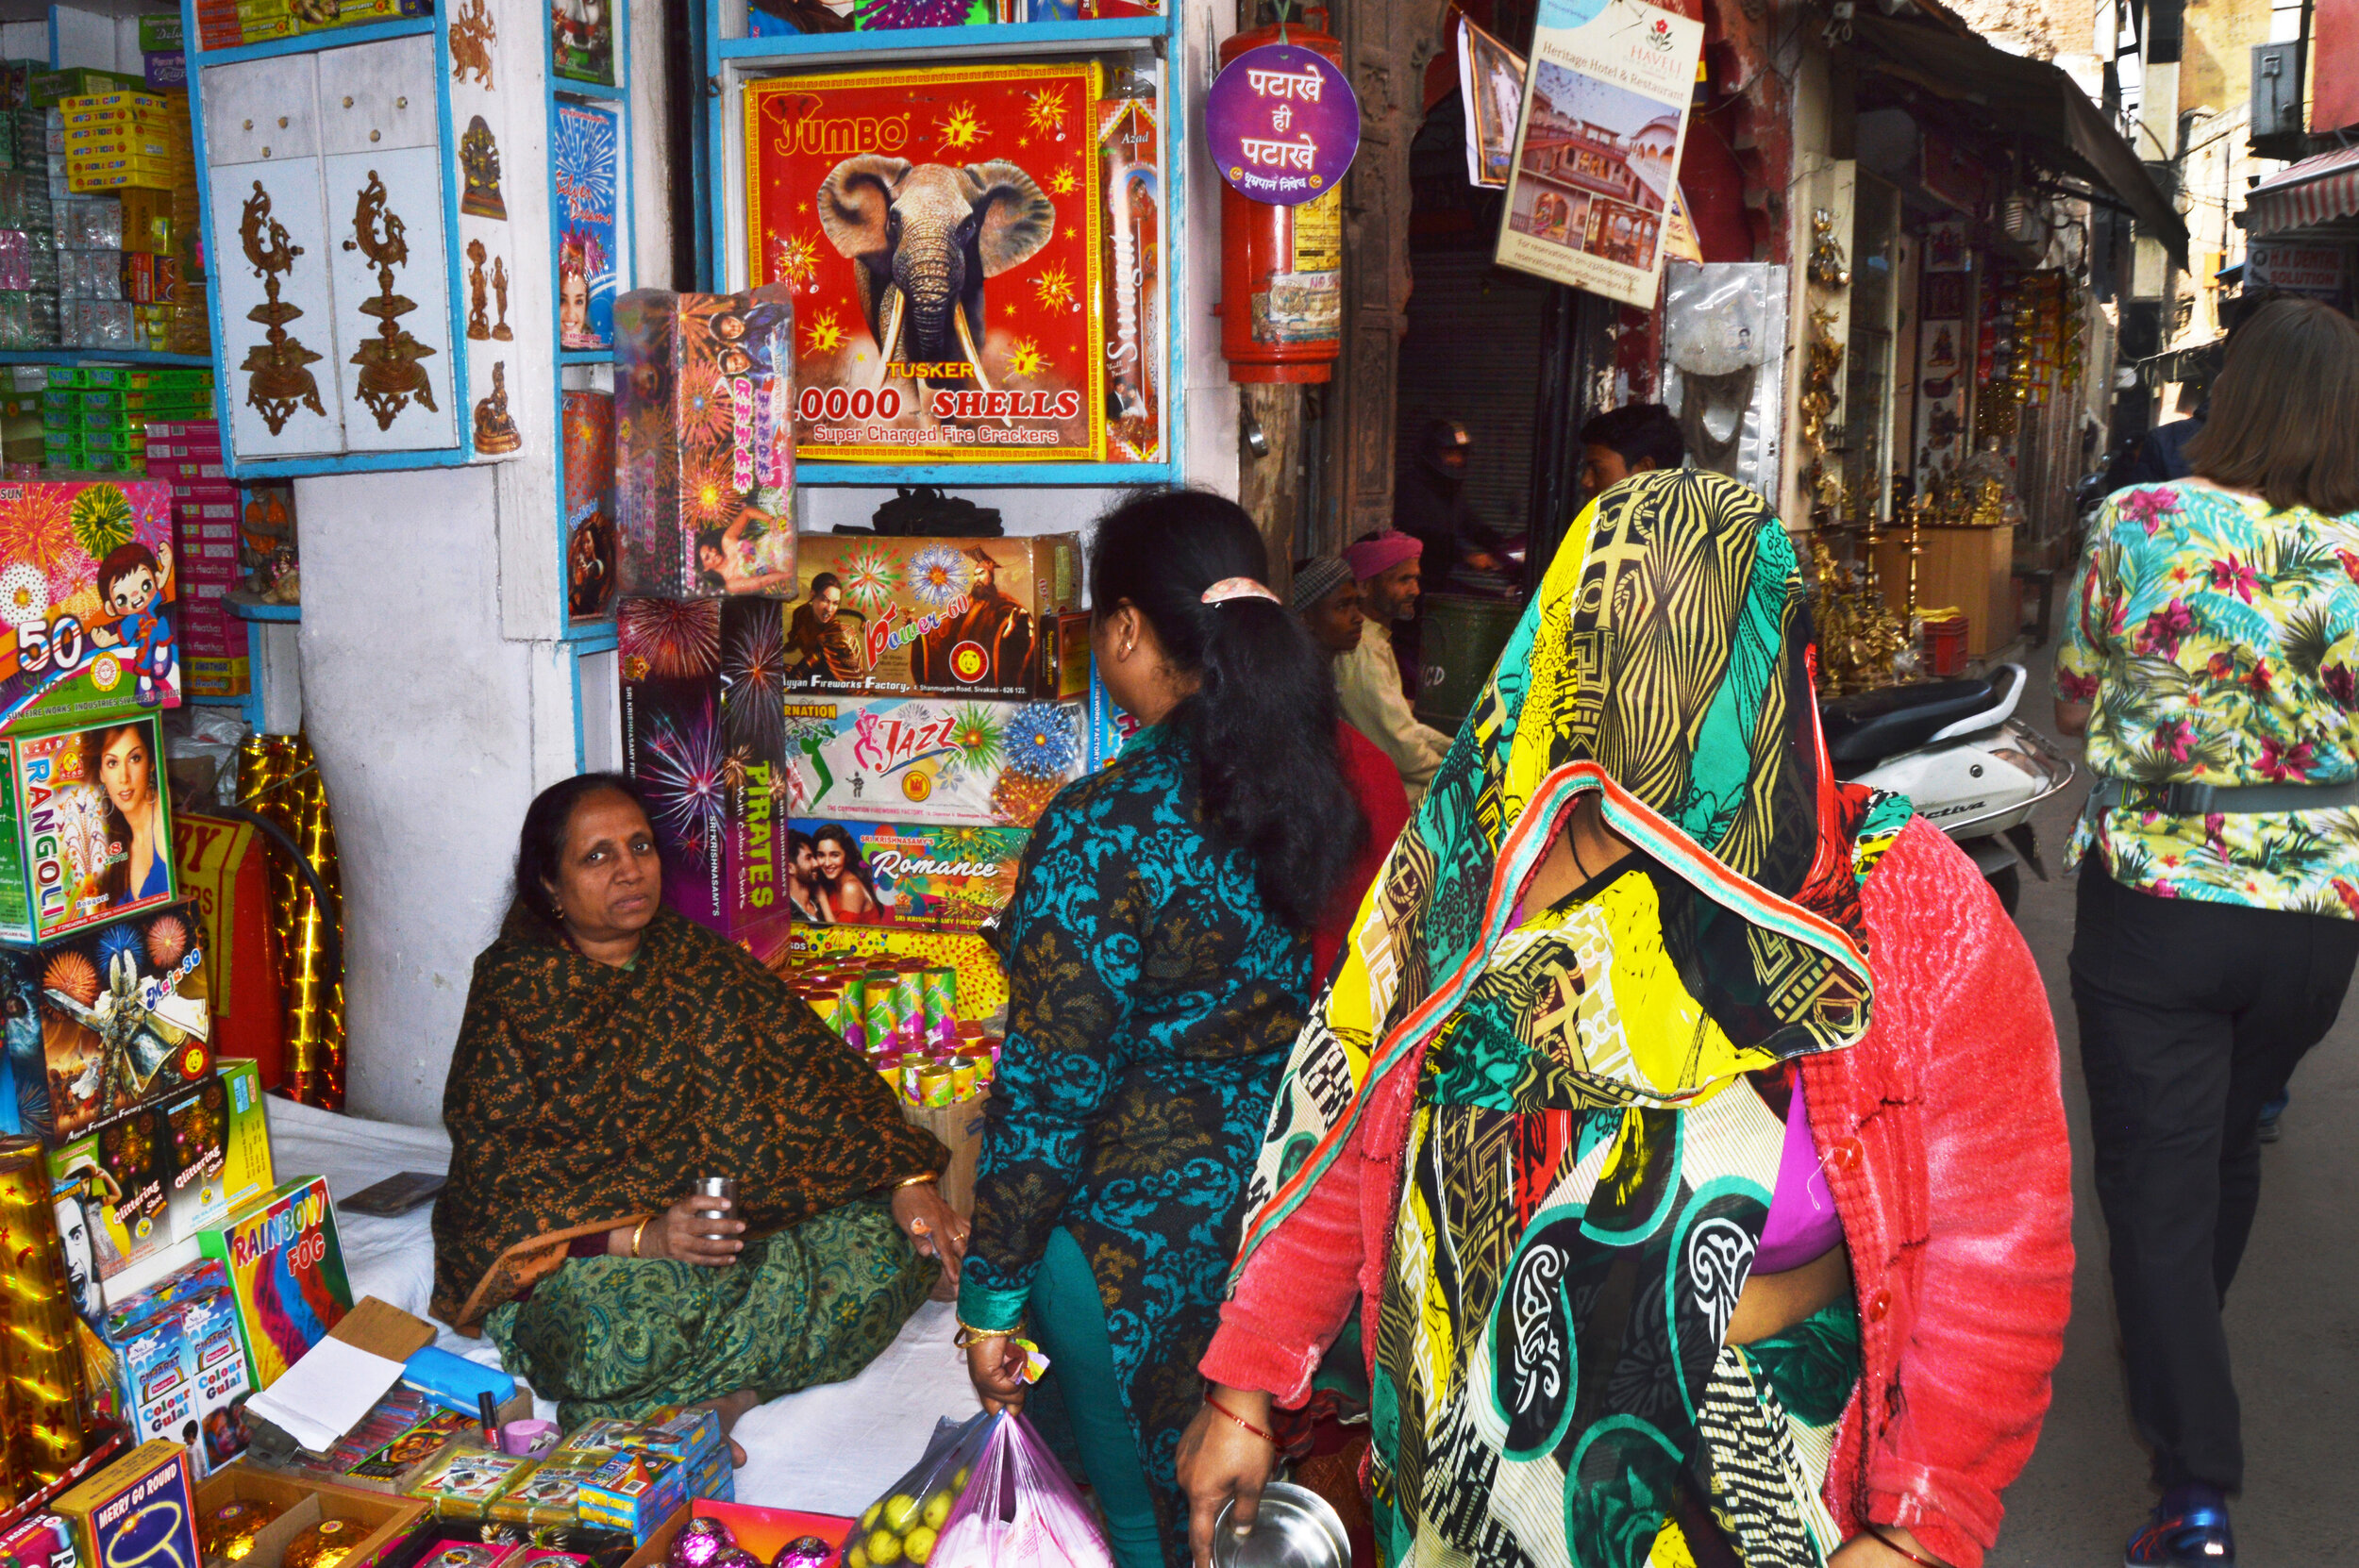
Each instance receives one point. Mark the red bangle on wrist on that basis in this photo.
(1270, 1438)
(1920, 1561)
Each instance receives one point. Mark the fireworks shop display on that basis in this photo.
(278, 779)
(208, 512)
(980, 984)
(915, 874)
(40, 1365)
(940, 227)
(588, 431)
(85, 837)
(950, 763)
(903, 1014)
(181, 1369)
(305, 1522)
(993, 618)
(87, 592)
(121, 1019)
(468, 1479)
(141, 1512)
(704, 458)
(388, 1450)
(286, 1271)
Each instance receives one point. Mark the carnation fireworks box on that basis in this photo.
(179, 1367)
(286, 1273)
(141, 1512)
(978, 617)
(469, 1479)
(87, 592)
(914, 874)
(941, 226)
(85, 837)
(704, 459)
(105, 1020)
(925, 760)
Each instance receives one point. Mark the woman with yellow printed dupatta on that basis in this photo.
(1683, 1123)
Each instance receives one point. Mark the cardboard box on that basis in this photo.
(386, 1521)
(141, 1512)
(633, 1491)
(160, 31)
(51, 89)
(982, 983)
(68, 835)
(468, 1479)
(930, 760)
(286, 1271)
(704, 449)
(81, 989)
(90, 592)
(920, 877)
(975, 617)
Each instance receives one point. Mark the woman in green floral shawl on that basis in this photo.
(612, 1053)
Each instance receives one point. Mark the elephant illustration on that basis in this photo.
(925, 236)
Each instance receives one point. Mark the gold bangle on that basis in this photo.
(636, 1234)
(917, 1180)
(968, 1334)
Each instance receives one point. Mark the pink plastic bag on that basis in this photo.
(1020, 1510)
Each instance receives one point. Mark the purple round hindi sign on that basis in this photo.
(1283, 124)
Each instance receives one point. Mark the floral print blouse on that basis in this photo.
(2218, 639)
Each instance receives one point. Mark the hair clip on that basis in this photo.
(1227, 589)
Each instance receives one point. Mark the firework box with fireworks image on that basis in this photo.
(980, 617)
(939, 226)
(945, 763)
(704, 734)
(85, 836)
(704, 452)
(921, 875)
(982, 983)
(138, 1513)
(87, 592)
(179, 1367)
(107, 1019)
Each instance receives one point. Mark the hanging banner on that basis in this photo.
(1282, 124)
(1597, 151)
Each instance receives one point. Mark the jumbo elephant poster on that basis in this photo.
(940, 227)
(1589, 196)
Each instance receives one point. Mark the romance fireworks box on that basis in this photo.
(980, 617)
(106, 1020)
(927, 760)
(141, 1512)
(704, 457)
(84, 834)
(179, 1368)
(87, 592)
(910, 874)
(286, 1271)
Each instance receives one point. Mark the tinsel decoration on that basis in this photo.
(40, 1364)
(278, 779)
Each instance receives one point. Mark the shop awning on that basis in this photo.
(2026, 98)
(2179, 365)
(2302, 195)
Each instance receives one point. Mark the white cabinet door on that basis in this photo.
(375, 97)
(261, 111)
(292, 408)
(397, 399)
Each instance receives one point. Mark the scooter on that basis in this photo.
(1956, 749)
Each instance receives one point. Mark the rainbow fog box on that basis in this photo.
(286, 1273)
(85, 832)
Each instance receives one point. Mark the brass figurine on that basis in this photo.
(479, 162)
(494, 432)
(390, 372)
(277, 379)
(478, 319)
(500, 287)
(1828, 268)
(472, 34)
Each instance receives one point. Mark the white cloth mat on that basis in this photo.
(830, 1449)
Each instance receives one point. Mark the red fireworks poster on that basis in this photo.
(940, 229)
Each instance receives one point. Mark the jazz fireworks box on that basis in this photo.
(703, 450)
(86, 600)
(978, 617)
(928, 759)
(105, 1019)
(902, 873)
(179, 1366)
(141, 1512)
(286, 1274)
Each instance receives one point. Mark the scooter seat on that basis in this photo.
(1864, 729)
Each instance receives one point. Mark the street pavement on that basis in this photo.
(2292, 1314)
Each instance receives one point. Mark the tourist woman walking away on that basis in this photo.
(2212, 659)
(1159, 969)
(1682, 1124)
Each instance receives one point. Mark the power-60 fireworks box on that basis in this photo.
(138, 1513)
(87, 592)
(980, 617)
(927, 878)
(106, 1020)
(704, 459)
(940, 228)
(924, 759)
(85, 837)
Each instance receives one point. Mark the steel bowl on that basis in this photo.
(1296, 1528)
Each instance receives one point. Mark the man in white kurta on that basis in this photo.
(1367, 680)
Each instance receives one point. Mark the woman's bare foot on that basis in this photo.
(729, 1408)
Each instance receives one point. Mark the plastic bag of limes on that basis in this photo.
(1020, 1510)
(903, 1526)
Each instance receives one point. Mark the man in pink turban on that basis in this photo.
(1367, 680)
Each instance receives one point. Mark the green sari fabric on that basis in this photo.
(616, 1337)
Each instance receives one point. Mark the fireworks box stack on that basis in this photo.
(185, 452)
(134, 146)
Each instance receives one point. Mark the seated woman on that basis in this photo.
(1682, 1127)
(612, 1053)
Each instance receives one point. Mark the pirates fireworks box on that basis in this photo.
(912, 875)
(922, 759)
(704, 459)
(85, 836)
(86, 591)
(180, 1368)
(286, 1271)
(105, 1020)
(991, 618)
(138, 1513)
(939, 226)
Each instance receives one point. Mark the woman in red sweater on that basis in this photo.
(1682, 1123)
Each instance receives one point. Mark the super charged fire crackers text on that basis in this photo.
(940, 228)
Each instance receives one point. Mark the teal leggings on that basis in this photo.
(1069, 1320)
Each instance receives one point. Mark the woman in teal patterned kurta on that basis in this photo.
(1159, 971)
